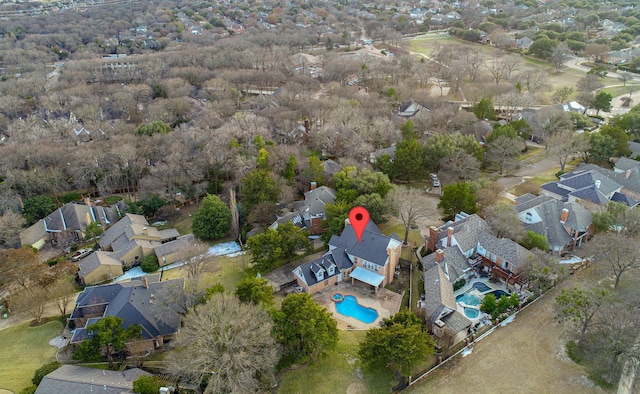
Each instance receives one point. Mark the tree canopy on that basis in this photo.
(213, 219)
(106, 336)
(256, 291)
(273, 246)
(304, 329)
(401, 343)
(457, 197)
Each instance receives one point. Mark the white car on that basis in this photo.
(436, 183)
(434, 177)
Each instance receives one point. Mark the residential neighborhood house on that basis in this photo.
(309, 214)
(73, 217)
(461, 248)
(565, 225)
(133, 302)
(372, 261)
(127, 243)
(75, 379)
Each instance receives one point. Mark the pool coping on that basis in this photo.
(468, 286)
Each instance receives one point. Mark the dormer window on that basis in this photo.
(331, 270)
(320, 275)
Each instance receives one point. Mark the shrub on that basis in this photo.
(150, 264)
(459, 284)
(147, 385)
(29, 390)
(44, 370)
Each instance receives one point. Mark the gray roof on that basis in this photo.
(506, 249)
(581, 179)
(624, 199)
(454, 263)
(634, 147)
(590, 194)
(181, 243)
(372, 246)
(314, 202)
(579, 217)
(624, 164)
(438, 292)
(465, 231)
(308, 270)
(74, 379)
(553, 187)
(525, 198)
(630, 182)
(131, 301)
(75, 217)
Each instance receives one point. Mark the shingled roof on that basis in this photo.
(131, 301)
(72, 379)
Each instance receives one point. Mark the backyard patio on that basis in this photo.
(386, 303)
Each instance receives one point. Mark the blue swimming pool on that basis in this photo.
(499, 293)
(471, 313)
(349, 307)
(481, 287)
(469, 299)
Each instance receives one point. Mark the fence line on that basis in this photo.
(491, 330)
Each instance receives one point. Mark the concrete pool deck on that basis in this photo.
(469, 286)
(386, 303)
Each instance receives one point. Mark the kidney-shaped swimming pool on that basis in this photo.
(349, 307)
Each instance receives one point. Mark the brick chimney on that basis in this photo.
(313, 185)
(439, 255)
(145, 282)
(87, 218)
(433, 238)
(87, 201)
(564, 215)
(449, 235)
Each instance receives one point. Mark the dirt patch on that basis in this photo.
(526, 356)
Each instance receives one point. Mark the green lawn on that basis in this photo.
(339, 371)
(23, 350)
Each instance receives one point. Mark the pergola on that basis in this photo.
(366, 276)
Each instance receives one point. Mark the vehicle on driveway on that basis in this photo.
(81, 254)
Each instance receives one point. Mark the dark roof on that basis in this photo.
(581, 179)
(634, 147)
(372, 246)
(456, 321)
(74, 379)
(525, 198)
(624, 199)
(590, 194)
(181, 243)
(307, 271)
(553, 187)
(131, 301)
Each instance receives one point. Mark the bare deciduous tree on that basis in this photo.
(503, 220)
(410, 207)
(564, 144)
(621, 254)
(241, 359)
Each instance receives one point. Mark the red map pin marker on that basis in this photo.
(359, 218)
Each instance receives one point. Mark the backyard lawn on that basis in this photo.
(25, 349)
(227, 271)
(339, 371)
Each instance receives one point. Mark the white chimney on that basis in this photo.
(597, 183)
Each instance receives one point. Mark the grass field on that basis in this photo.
(339, 371)
(23, 350)
(227, 271)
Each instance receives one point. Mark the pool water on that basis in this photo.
(349, 307)
(499, 294)
(469, 299)
(481, 287)
(471, 313)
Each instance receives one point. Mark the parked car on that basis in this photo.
(434, 177)
(81, 254)
(436, 183)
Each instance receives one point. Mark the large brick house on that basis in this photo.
(373, 260)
